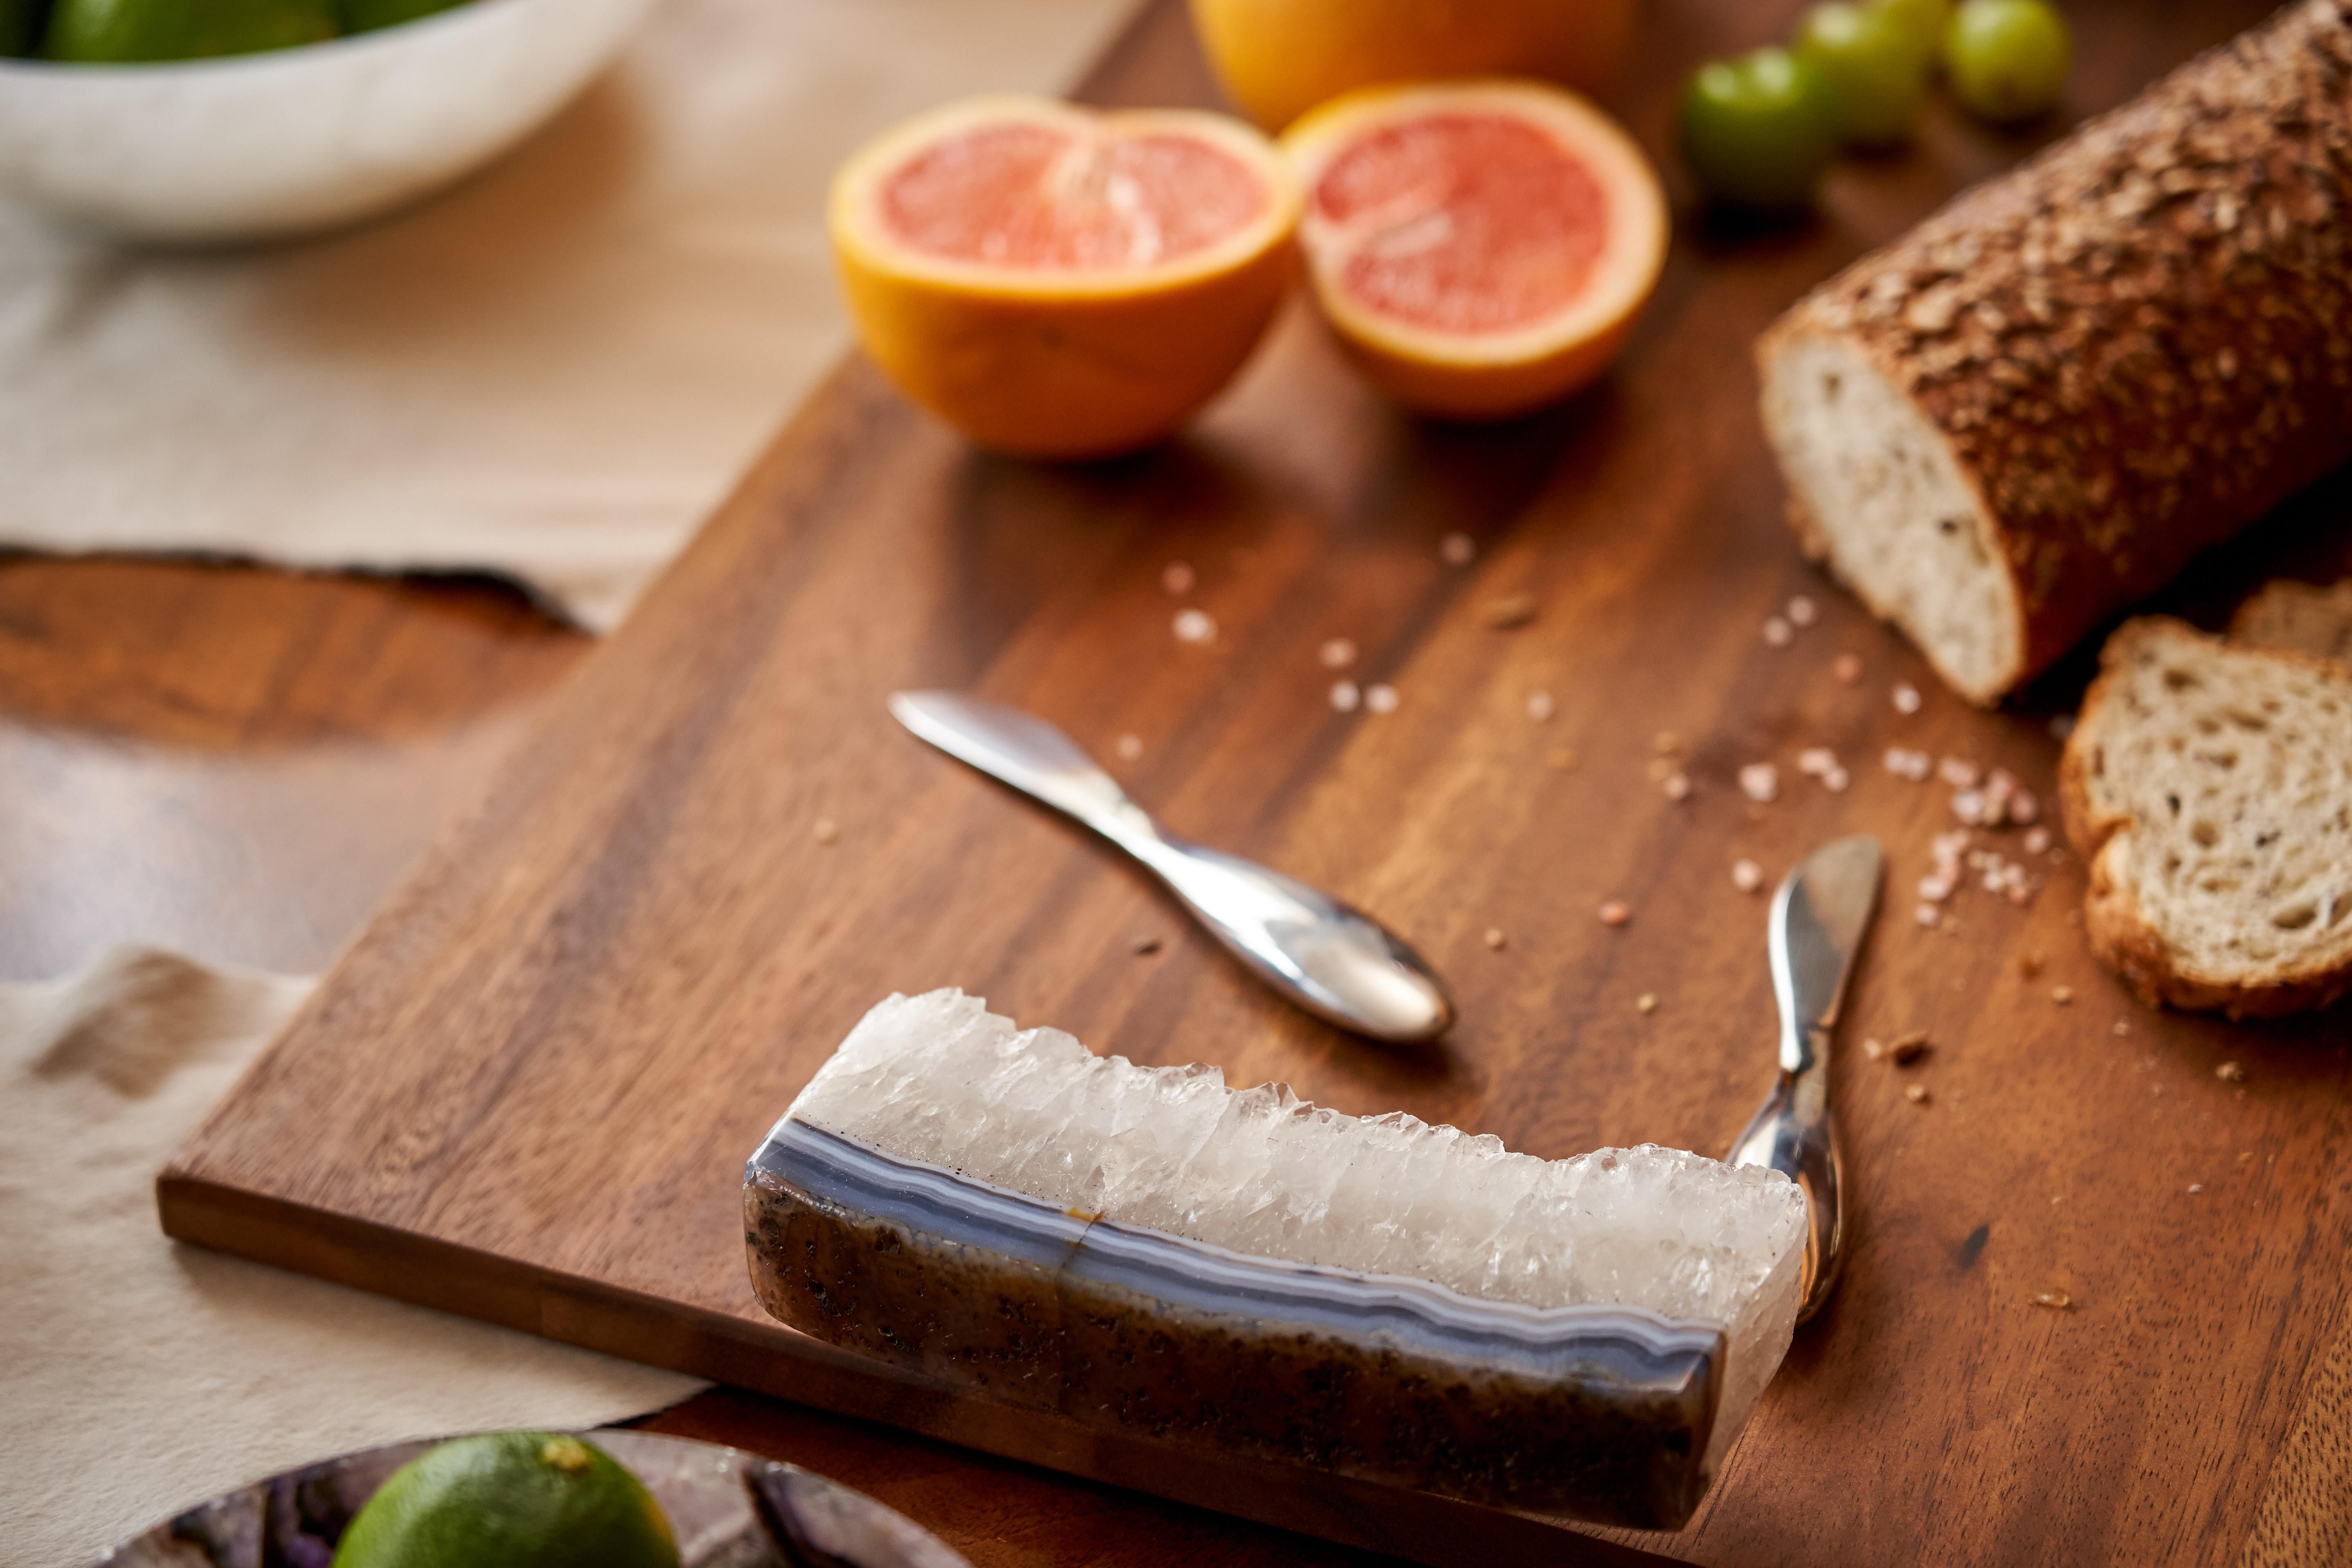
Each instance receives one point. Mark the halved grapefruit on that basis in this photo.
(1481, 247)
(1059, 282)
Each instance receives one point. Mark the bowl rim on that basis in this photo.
(467, 13)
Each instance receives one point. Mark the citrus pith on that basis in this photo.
(1278, 59)
(1059, 282)
(1481, 249)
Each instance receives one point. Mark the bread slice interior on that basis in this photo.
(2302, 616)
(2212, 786)
(1880, 494)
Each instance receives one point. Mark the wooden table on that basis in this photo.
(241, 764)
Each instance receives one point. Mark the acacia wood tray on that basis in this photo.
(527, 1092)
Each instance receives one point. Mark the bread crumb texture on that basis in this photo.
(2057, 389)
(2209, 786)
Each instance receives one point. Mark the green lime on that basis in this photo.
(120, 30)
(1873, 73)
(2007, 58)
(367, 15)
(511, 1500)
(1921, 22)
(1758, 129)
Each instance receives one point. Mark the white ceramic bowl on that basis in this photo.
(263, 145)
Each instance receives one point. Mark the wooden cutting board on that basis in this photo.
(528, 1090)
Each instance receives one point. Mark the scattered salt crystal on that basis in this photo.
(1908, 764)
(1511, 611)
(1615, 913)
(1847, 667)
(1969, 805)
(1835, 780)
(1457, 549)
(2025, 807)
(1128, 747)
(1678, 787)
(1959, 772)
(2056, 1300)
(1661, 769)
(1178, 577)
(1926, 915)
(1760, 782)
(1346, 698)
(2195, 1188)
(1495, 939)
(1647, 1002)
(1816, 760)
(1936, 888)
(1195, 626)
(2230, 1072)
(828, 831)
(1779, 632)
(2037, 840)
(1540, 706)
(2062, 725)
(1747, 876)
(2121, 1027)
(1381, 698)
(1666, 743)
(1916, 1093)
(2062, 995)
(1802, 611)
(1337, 654)
(1906, 699)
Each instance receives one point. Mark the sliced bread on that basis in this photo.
(2302, 618)
(2036, 406)
(2209, 787)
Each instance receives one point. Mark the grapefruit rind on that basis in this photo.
(1490, 375)
(1062, 363)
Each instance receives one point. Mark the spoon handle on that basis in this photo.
(1033, 757)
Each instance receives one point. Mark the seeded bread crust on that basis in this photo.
(2121, 935)
(2132, 345)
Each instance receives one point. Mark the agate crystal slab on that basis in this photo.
(1146, 1250)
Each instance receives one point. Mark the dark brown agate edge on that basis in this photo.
(1600, 1413)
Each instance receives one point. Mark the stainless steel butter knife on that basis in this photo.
(1329, 958)
(1818, 918)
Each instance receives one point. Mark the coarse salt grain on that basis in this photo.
(1906, 699)
(1916, 1093)
(1647, 1002)
(1802, 611)
(1457, 549)
(1178, 577)
(1816, 760)
(2062, 995)
(1779, 633)
(2037, 841)
(1128, 747)
(2056, 1300)
(1760, 782)
(1835, 780)
(2022, 807)
(1969, 805)
(1846, 668)
(828, 831)
(1677, 786)
(1959, 772)
(1907, 765)
(1381, 698)
(1195, 626)
(1665, 743)
(1337, 654)
(1615, 913)
(1495, 939)
(1927, 915)
(1936, 888)
(1747, 876)
(2195, 1188)
(2230, 1072)
(1540, 706)
(1346, 697)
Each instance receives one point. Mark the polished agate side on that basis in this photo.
(1602, 1413)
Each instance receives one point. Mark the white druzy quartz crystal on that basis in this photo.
(938, 1079)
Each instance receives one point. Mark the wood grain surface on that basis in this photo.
(527, 1091)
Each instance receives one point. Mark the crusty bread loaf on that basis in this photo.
(2041, 403)
(2209, 786)
(2302, 618)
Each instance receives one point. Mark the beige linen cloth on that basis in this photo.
(551, 373)
(138, 1375)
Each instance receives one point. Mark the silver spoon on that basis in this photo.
(1818, 918)
(1334, 961)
